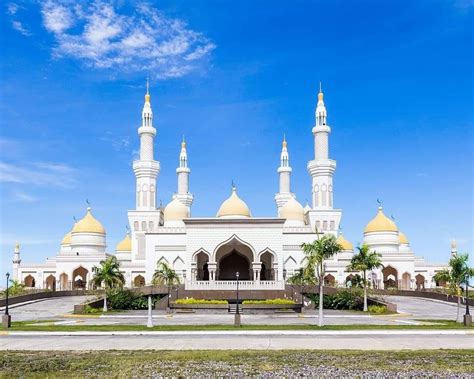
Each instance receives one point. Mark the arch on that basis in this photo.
(290, 266)
(304, 261)
(329, 280)
(29, 281)
(178, 265)
(349, 280)
(162, 260)
(234, 255)
(79, 278)
(139, 281)
(51, 282)
(231, 242)
(63, 281)
(390, 277)
(420, 282)
(267, 258)
(406, 281)
(201, 262)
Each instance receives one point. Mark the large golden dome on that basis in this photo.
(125, 245)
(234, 206)
(292, 210)
(88, 224)
(380, 223)
(175, 211)
(346, 245)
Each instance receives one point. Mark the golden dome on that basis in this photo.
(380, 223)
(320, 96)
(292, 210)
(175, 211)
(88, 224)
(147, 98)
(346, 245)
(234, 206)
(66, 239)
(125, 245)
(403, 238)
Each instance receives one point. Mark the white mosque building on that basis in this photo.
(208, 251)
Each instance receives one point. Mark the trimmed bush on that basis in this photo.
(269, 302)
(378, 309)
(351, 299)
(125, 299)
(192, 300)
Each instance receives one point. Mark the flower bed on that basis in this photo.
(269, 302)
(191, 300)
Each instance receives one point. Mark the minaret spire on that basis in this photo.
(284, 172)
(183, 172)
(322, 169)
(146, 168)
(16, 261)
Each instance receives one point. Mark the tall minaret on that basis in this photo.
(146, 168)
(285, 174)
(454, 248)
(16, 261)
(183, 172)
(321, 168)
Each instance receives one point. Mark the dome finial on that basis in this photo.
(320, 94)
(284, 143)
(183, 143)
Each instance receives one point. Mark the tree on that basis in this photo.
(165, 275)
(316, 253)
(365, 260)
(108, 275)
(455, 275)
(302, 278)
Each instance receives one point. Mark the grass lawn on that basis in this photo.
(439, 363)
(45, 326)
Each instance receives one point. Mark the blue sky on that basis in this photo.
(233, 77)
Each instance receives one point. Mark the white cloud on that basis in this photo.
(12, 11)
(102, 37)
(18, 26)
(39, 174)
(24, 197)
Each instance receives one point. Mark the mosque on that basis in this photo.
(208, 251)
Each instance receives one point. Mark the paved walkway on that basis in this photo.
(259, 340)
(423, 308)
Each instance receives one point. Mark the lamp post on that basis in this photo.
(467, 316)
(6, 318)
(237, 311)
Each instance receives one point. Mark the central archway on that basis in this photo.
(234, 256)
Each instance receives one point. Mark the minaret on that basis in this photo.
(454, 248)
(321, 168)
(183, 172)
(146, 168)
(16, 261)
(285, 174)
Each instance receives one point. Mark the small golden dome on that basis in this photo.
(234, 206)
(175, 211)
(403, 238)
(320, 96)
(346, 245)
(125, 245)
(183, 144)
(380, 223)
(66, 239)
(88, 224)
(147, 98)
(292, 210)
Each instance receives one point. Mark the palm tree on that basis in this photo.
(165, 275)
(455, 275)
(300, 279)
(108, 274)
(365, 260)
(316, 253)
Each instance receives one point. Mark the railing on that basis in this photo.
(232, 285)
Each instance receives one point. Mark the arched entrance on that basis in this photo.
(79, 278)
(329, 280)
(406, 281)
(202, 265)
(266, 269)
(30, 281)
(139, 281)
(63, 281)
(420, 282)
(51, 283)
(390, 277)
(232, 257)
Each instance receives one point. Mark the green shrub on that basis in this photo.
(378, 309)
(125, 299)
(89, 309)
(192, 300)
(351, 299)
(269, 301)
